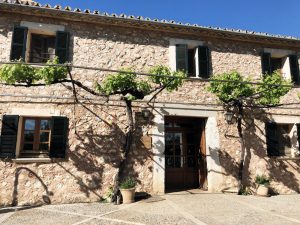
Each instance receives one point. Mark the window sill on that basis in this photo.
(285, 158)
(32, 160)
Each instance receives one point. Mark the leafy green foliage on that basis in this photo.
(245, 191)
(262, 180)
(21, 73)
(51, 74)
(131, 87)
(230, 91)
(18, 73)
(164, 77)
(263, 94)
(125, 83)
(270, 95)
(127, 183)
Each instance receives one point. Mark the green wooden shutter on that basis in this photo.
(9, 133)
(294, 66)
(272, 139)
(203, 58)
(266, 63)
(182, 57)
(59, 132)
(62, 46)
(18, 43)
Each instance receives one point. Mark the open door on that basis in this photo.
(185, 153)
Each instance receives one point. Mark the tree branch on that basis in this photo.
(76, 82)
(161, 89)
(73, 85)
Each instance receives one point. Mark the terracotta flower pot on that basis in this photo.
(262, 190)
(128, 195)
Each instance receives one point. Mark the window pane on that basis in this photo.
(178, 162)
(169, 162)
(178, 138)
(169, 150)
(45, 124)
(28, 147)
(44, 137)
(178, 150)
(169, 138)
(28, 136)
(29, 124)
(44, 147)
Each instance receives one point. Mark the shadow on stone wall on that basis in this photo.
(45, 197)
(93, 159)
(98, 155)
(257, 160)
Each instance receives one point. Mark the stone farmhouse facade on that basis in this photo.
(56, 151)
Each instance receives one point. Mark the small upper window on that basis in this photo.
(31, 46)
(193, 60)
(42, 48)
(282, 139)
(287, 65)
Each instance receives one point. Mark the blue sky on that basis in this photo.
(271, 16)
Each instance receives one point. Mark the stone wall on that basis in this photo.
(97, 127)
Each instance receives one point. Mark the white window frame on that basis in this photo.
(282, 53)
(280, 120)
(191, 45)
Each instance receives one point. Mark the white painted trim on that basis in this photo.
(18, 144)
(42, 28)
(286, 70)
(32, 160)
(214, 169)
(285, 119)
(278, 53)
(172, 49)
(197, 62)
(214, 177)
(49, 111)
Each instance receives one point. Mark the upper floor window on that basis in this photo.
(36, 46)
(42, 48)
(286, 63)
(191, 57)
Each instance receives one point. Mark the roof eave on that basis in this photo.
(148, 24)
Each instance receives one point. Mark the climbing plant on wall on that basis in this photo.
(237, 92)
(131, 87)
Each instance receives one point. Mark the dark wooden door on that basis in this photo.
(184, 153)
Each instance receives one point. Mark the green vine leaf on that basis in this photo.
(264, 94)
(18, 73)
(51, 74)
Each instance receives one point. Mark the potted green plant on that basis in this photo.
(263, 185)
(127, 189)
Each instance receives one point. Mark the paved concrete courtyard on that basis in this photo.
(182, 208)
